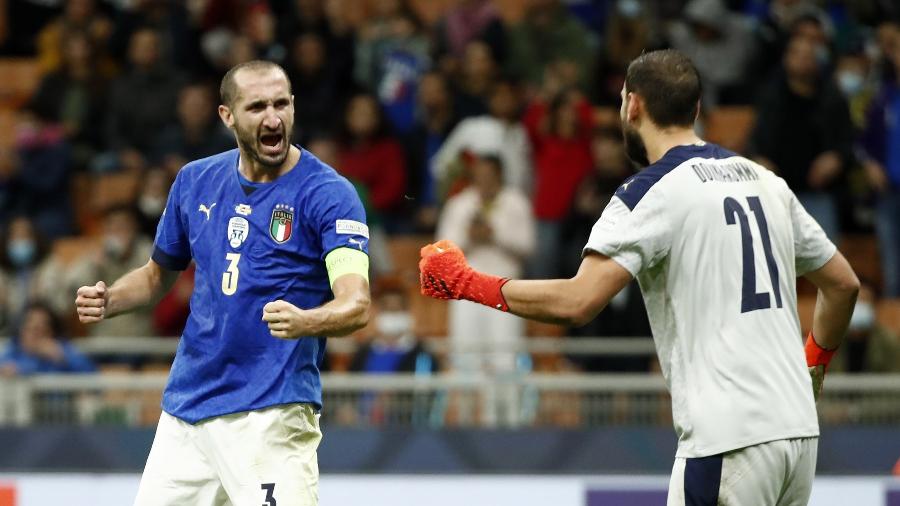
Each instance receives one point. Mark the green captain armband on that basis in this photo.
(342, 261)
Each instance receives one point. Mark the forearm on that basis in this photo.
(340, 317)
(832, 315)
(547, 300)
(142, 286)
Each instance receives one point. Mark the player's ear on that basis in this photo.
(226, 116)
(633, 106)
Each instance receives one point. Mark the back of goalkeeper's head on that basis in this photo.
(669, 87)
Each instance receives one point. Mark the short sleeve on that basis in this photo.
(171, 248)
(341, 218)
(812, 248)
(636, 239)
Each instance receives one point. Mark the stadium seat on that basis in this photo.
(19, 77)
(888, 313)
(861, 251)
(9, 118)
(730, 127)
(110, 190)
(69, 249)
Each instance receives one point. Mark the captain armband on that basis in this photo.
(342, 261)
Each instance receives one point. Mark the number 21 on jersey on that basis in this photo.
(231, 274)
(734, 213)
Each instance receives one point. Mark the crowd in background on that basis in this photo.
(501, 134)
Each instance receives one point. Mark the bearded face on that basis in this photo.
(263, 116)
(635, 148)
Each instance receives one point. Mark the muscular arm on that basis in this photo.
(574, 301)
(346, 313)
(139, 287)
(838, 287)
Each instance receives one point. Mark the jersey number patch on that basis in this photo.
(231, 274)
(734, 213)
(270, 494)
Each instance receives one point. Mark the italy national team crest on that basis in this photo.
(282, 223)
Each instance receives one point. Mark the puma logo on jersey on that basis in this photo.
(356, 242)
(625, 186)
(207, 210)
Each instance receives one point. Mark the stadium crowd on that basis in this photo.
(494, 123)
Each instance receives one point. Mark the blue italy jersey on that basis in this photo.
(252, 243)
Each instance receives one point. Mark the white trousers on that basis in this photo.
(256, 458)
(777, 473)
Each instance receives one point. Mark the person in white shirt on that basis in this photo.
(716, 243)
(478, 219)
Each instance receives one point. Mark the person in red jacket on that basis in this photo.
(370, 156)
(560, 134)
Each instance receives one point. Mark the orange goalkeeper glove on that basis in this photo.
(445, 274)
(817, 359)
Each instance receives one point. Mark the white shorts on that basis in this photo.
(777, 473)
(255, 458)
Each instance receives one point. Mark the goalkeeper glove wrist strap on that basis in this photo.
(486, 289)
(815, 354)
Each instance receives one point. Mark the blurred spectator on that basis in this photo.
(371, 157)
(178, 42)
(40, 175)
(500, 132)
(316, 87)
(720, 43)
(27, 271)
(259, 28)
(549, 36)
(777, 27)
(74, 96)
(151, 201)
(435, 120)
(40, 347)
(394, 347)
(628, 33)
(302, 17)
(465, 22)
(804, 133)
(869, 346)
(560, 136)
(476, 79)
(124, 250)
(391, 54)
(143, 101)
(881, 161)
(198, 132)
(78, 16)
(493, 224)
(853, 78)
(886, 34)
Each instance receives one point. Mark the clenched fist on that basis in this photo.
(91, 302)
(285, 320)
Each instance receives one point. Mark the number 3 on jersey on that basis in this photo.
(230, 276)
(750, 300)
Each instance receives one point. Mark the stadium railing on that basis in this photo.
(431, 401)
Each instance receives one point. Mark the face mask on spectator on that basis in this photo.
(850, 82)
(394, 323)
(863, 318)
(114, 246)
(151, 206)
(20, 252)
(629, 8)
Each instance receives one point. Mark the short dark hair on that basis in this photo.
(669, 84)
(228, 88)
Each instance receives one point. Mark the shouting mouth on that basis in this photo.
(272, 143)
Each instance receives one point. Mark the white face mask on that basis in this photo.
(151, 206)
(850, 82)
(393, 323)
(863, 317)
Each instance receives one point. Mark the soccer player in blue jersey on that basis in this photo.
(279, 241)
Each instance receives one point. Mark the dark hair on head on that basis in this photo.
(41, 245)
(669, 84)
(228, 89)
(56, 324)
(382, 127)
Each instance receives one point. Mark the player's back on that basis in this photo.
(718, 257)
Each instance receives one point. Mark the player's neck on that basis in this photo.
(258, 173)
(660, 141)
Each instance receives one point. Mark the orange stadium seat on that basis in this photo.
(8, 119)
(110, 190)
(68, 249)
(19, 77)
(730, 127)
(862, 253)
(888, 313)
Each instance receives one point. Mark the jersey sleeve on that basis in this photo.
(636, 239)
(812, 248)
(171, 248)
(341, 218)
